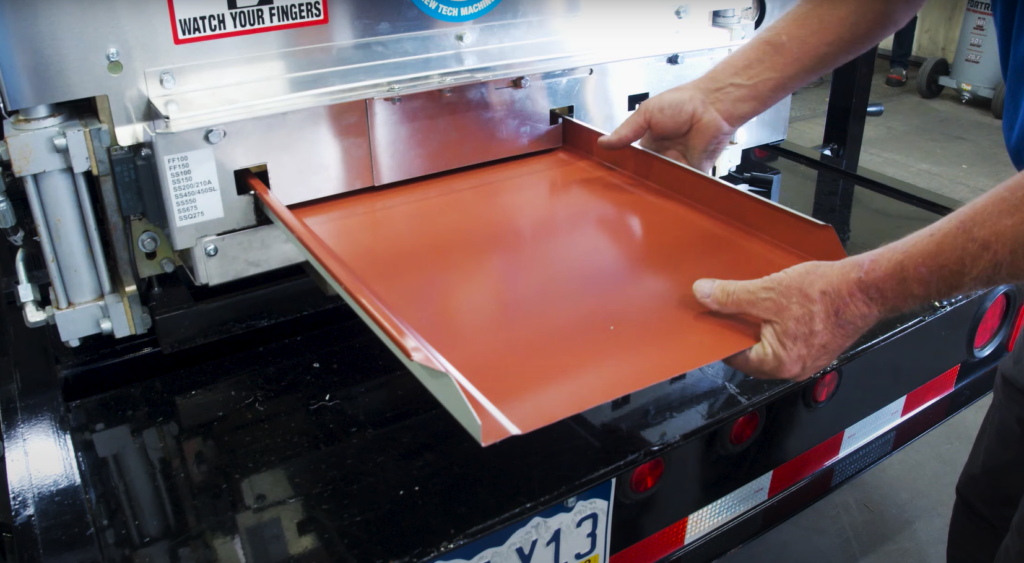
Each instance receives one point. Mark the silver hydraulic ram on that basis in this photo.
(50, 151)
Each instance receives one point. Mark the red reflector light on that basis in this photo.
(646, 476)
(824, 388)
(744, 428)
(990, 324)
(1016, 329)
(761, 153)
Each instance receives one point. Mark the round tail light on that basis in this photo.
(824, 389)
(744, 428)
(991, 323)
(647, 476)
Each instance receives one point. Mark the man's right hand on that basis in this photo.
(682, 124)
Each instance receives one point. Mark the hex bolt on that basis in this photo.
(464, 37)
(682, 12)
(60, 143)
(215, 135)
(396, 100)
(106, 327)
(149, 242)
(167, 265)
(113, 54)
(210, 250)
(394, 88)
(522, 82)
(167, 80)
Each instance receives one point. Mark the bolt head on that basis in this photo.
(464, 37)
(522, 82)
(210, 250)
(167, 80)
(113, 55)
(149, 241)
(682, 12)
(167, 265)
(216, 135)
(673, 59)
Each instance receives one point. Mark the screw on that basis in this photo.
(682, 12)
(113, 54)
(396, 100)
(673, 60)
(210, 250)
(521, 82)
(167, 265)
(214, 136)
(60, 143)
(106, 327)
(149, 241)
(394, 88)
(464, 37)
(167, 80)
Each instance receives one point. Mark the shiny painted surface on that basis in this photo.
(539, 283)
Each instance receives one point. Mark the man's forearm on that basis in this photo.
(976, 247)
(815, 37)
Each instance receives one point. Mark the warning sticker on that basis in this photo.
(203, 20)
(195, 191)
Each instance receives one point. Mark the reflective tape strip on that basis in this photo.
(655, 547)
(728, 507)
(747, 497)
(805, 465)
(873, 425)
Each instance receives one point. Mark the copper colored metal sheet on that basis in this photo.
(549, 284)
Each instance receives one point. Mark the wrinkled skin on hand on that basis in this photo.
(810, 314)
(682, 124)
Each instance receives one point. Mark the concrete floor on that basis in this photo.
(941, 144)
(897, 512)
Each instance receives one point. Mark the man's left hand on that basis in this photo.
(810, 314)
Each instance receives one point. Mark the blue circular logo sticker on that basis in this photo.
(456, 10)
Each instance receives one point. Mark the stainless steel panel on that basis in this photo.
(442, 130)
(36, 35)
(243, 254)
(309, 154)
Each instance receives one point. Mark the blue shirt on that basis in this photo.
(1009, 19)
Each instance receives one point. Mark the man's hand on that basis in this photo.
(810, 314)
(681, 124)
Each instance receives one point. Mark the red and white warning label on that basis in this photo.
(203, 20)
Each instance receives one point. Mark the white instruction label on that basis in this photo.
(203, 20)
(195, 191)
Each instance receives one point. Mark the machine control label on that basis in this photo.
(195, 191)
(203, 20)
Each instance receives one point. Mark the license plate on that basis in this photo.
(575, 531)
